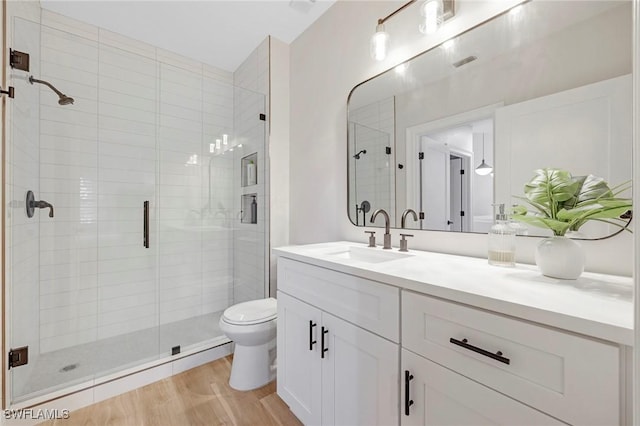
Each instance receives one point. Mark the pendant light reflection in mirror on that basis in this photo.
(483, 169)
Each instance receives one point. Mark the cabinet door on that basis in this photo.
(359, 376)
(299, 366)
(443, 397)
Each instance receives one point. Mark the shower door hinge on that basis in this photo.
(18, 357)
(10, 92)
(263, 117)
(19, 60)
(421, 156)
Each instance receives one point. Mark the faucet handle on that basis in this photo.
(403, 242)
(372, 238)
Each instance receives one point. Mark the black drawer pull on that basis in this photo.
(408, 402)
(497, 356)
(311, 341)
(322, 348)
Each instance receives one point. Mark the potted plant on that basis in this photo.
(562, 203)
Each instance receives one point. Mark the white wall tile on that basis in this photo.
(125, 44)
(63, 23)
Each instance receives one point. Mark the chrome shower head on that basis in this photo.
(64, 99)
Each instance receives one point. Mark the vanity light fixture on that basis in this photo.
(483, 169)
(379, 42)
(434, 13)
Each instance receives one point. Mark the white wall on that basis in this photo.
(278, 151)
(251, 240)
(325, 65)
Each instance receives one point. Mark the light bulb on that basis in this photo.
(379, 43)
(431, 16)
(483, 169)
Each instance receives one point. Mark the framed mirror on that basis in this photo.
(465, 125)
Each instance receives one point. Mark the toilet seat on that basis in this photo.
(252, 312)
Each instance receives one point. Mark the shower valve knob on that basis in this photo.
(32, 204)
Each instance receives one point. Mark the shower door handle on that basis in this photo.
(145, 225)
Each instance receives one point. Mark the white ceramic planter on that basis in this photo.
(560, 257)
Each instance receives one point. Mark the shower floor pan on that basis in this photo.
(66, 367)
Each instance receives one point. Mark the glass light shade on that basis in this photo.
(379, 43)
(483, 169)
(431, 16)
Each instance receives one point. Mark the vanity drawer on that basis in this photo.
(572, 378)
(368, 304)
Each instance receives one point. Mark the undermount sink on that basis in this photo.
(369, 254)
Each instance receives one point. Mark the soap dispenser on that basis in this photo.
(502, 240)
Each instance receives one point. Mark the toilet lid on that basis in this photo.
(253, 312)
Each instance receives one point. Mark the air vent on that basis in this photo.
(464, 61)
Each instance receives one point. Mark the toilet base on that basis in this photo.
(253, 366)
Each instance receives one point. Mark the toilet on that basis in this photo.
(252, 327)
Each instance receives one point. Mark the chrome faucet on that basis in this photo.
(387, 235)
(403, 220)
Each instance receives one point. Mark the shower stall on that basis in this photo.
(142, 159)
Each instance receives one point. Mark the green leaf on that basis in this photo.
(588, 188)
(562, 202)
(549, 188)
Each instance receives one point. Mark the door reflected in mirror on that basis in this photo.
(549, 86)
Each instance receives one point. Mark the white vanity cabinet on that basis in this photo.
(434, 339)
(434, 395)
(465, 357)
(337, 360)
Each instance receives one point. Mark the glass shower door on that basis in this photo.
(371, 159)
(212, 254)
(82, 287)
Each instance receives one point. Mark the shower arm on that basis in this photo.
(35, 80)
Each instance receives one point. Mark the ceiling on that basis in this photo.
(216, 32)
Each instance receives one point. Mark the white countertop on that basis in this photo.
(595, 305)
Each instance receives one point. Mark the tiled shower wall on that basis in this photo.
(141, 129)
(251, 260)
(373, 128)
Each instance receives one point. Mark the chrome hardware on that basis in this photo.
(403, 242)
(372, 238)
(387, 234)
(403, 220)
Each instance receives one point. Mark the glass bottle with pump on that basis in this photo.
(502, 240)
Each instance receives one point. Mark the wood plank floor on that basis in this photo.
(200, 396)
